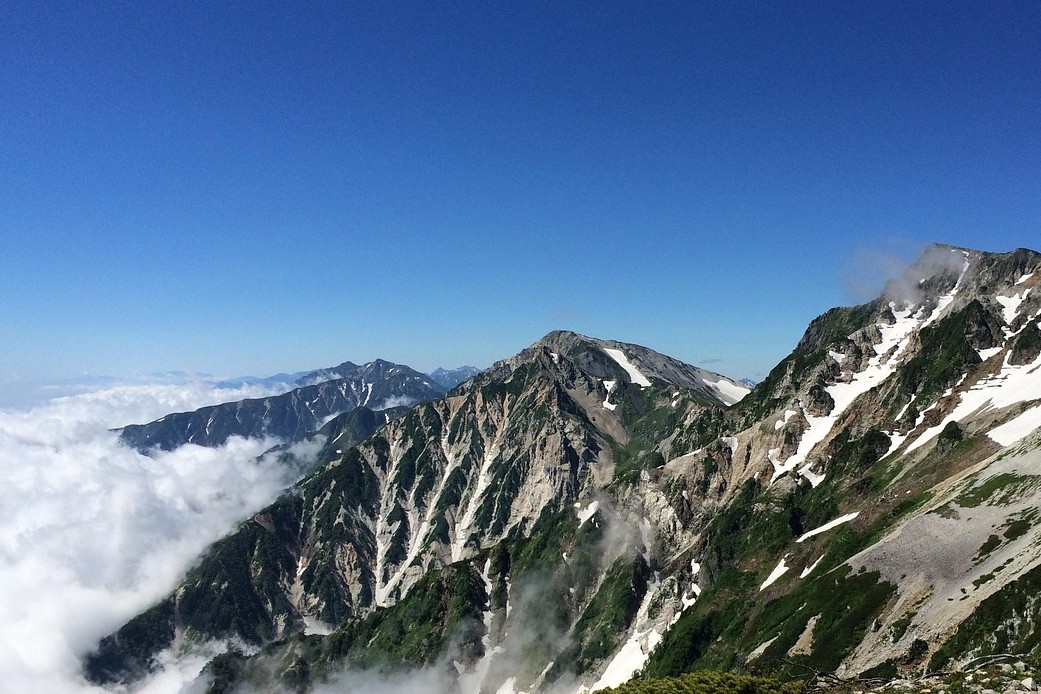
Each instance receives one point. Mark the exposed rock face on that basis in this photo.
(588, 508)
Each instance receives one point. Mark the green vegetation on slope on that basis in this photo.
(1006, 622)
(948, 347)
(706, 682)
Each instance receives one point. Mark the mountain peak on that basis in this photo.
(958, 275)
(622, 362)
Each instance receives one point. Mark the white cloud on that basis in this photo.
(396, 401)
(92, 532)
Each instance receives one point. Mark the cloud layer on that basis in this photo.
(92, 532)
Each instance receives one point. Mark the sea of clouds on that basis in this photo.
(93, 532)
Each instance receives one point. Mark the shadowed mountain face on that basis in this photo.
(376, 385)
(589, 509)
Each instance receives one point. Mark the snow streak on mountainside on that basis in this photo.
(589, 509)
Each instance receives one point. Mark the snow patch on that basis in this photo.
(779, 424)
(1017, 428)
(986, 354)
(895, 441)
(1010, 386)
(829, 525)
(586, 513)
(778, 571)
(1010, 305)
(729, 392)
(609, 385)
(894, 342)
(623, 361)
(779, 467)
(695, 589)
(807, 472)
(809, 569)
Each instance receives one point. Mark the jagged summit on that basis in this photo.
(941, 268)
(622, 362)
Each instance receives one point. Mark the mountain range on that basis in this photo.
(588, 511)
(318, 397)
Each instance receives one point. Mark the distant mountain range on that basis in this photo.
(588, 511)
(318, 396)
(450, 378)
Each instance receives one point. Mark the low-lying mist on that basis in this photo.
(93, 532)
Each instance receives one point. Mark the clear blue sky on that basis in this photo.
(251, 187)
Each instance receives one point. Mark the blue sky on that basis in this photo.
(256, 187)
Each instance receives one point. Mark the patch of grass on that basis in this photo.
(946, 511)
(708, 682)
(1016, 528)
(686, 644)
(992, 543)
(416, 630)
(847, 604)
(605, 621)
(980, 494)
(899, 627)
(945, 353)
(884, 670)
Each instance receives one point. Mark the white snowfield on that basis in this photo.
(623, 361)
(1017, 428)
(729, 392)
(695, 590)
(807, 472)
(779, 424)
(1010, 386)
(1010, 304)
(895, 339)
